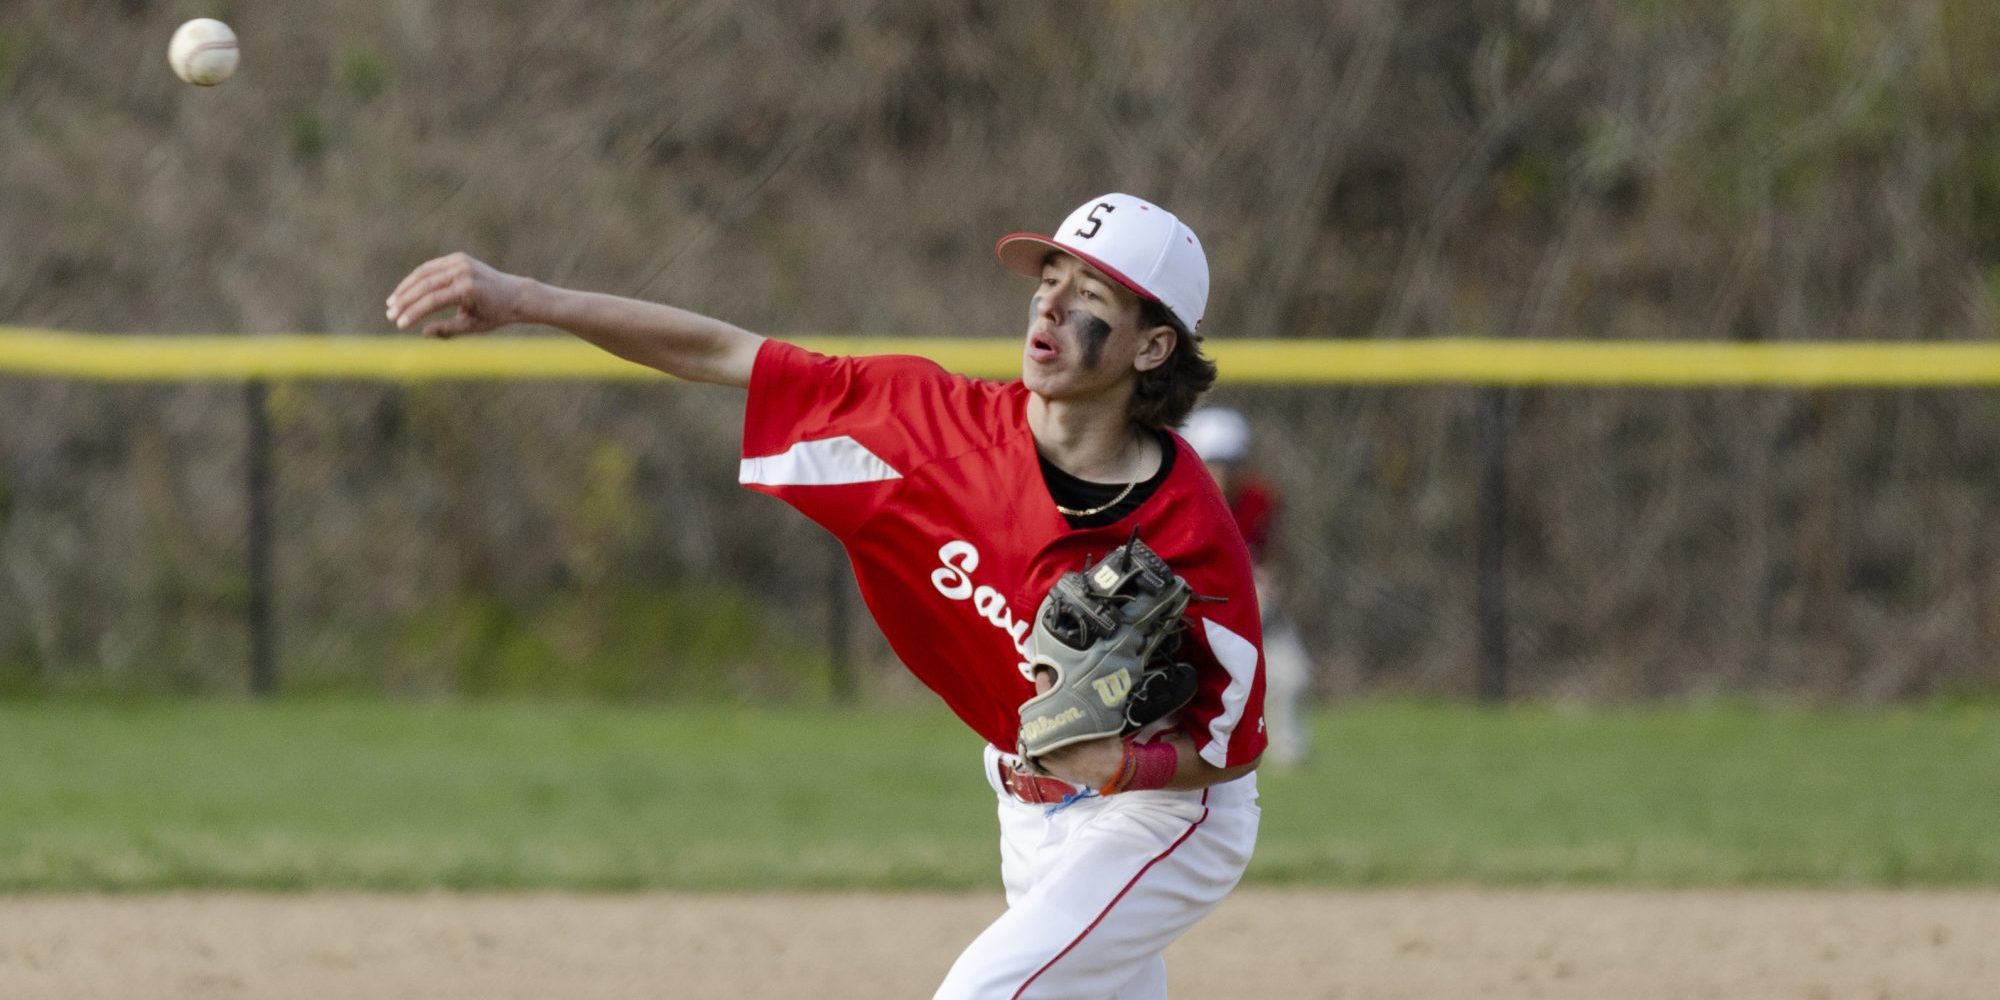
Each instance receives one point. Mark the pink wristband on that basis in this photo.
(1146, 766)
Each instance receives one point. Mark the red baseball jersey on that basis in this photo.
(931, 481)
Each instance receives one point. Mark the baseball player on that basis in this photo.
(970, 510)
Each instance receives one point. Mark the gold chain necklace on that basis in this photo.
(1122, 494)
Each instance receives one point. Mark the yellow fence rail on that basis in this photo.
(408, 358)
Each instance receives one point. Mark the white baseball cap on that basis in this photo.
(1134, 242)
(1217, 434)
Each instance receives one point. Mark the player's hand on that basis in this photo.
(1092, 763)
(480, 297)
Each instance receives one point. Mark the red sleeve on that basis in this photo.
(1225, 642)
(834, 436)
(1194, 531)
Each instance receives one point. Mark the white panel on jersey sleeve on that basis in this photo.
(832, 461)
(1238, 656)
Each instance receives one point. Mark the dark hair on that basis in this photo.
(1164, 395)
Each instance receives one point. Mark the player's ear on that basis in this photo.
(1155, 347)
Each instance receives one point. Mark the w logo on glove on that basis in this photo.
(1113, 689)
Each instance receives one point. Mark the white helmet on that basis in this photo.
(1218, 434)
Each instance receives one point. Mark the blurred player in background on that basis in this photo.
(961, 502)
(1221, 436)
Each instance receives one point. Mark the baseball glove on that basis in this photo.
(1107, 636)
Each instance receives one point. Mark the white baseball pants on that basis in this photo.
(1097, 890)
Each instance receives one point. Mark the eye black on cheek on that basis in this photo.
(1094, 332)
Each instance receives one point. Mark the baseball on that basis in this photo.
(203, 52)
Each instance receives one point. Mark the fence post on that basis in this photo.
(257, 485)
(1492, 684)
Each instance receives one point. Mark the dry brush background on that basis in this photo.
(1751, 170)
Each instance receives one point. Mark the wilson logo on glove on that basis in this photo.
(1036, 727)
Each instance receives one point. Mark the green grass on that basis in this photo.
(1712, 796)
(313, 794)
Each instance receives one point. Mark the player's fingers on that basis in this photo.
(419, 275)
(428, 275)
(420, 298)
(425, 302)
(402, 304)
(444, 293)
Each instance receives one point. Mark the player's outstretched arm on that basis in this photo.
(683, 344)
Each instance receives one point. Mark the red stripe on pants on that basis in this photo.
(1121, 895)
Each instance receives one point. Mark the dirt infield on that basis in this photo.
(1273, 943)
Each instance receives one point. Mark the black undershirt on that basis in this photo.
(1082, 494)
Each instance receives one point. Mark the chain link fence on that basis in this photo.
(488, 538)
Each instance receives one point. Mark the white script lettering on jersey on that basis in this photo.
(954, 580)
